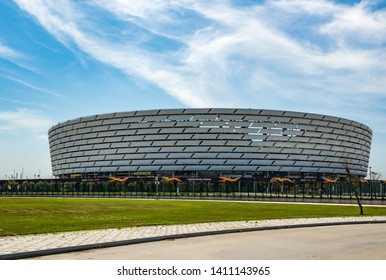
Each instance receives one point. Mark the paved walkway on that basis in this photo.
(15, 247)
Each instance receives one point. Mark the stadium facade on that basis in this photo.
(209, 143)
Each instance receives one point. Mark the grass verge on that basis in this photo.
(20, 216)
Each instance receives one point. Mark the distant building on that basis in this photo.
(209, 143)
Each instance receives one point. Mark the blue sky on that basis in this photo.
(62, 59)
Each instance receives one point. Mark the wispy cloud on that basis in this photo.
(32, 86)
(278, 54)
(25, 122)
(8, 53)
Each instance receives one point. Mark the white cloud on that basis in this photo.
(8, 53)
(32, 86)
(272, 53)
(25, 122)
(358, 23)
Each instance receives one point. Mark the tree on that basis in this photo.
(353, 180)
(375, 175)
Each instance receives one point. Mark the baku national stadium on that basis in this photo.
(209, 143)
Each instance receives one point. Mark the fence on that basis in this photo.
(372, 190)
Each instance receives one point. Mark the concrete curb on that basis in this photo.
(54, 251)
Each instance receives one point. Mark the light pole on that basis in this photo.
(371, 183)
(156, 186)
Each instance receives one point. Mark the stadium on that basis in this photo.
(210, 143)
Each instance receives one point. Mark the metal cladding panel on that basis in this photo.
(204, 136)
(261, 162)
(179, 136)
(196, 129)
(196, 111)
(142, 162)
(303, 163)
(220, 168)
(79, 170)
(290, 169)
(175, 149)
(172, 111)
(223, 149)
(121, 162)
(139, 125)
(172, 168)
(131, 120)
(176, 155)
(119, 145)
(284, 162)
(276, 156)
(231, 117)
(197, 149)
(127, 168)
(114, 157)
(234, 143)
(113, 139)
(146, 131)
(155, 137)
(294, 114)
(196, 168)
(205, 117)
(172, 131)
(254, 155)
(180, 119)
(245, 168)
(102, 163)
(154, 118)
(109, 169)
(205, 155)
(188, 143)
(124, 114)
(248, 112)
(164, 143)
(269, 168)
(91, 152)
(245, 150)
(188, 161)
(213, 161)
(222, 111)
(215, 143)
(326, 170)
(147, 113)
(108, 151)
(95, 141)
(112, 121)
(164, 162)
(105, 116)
(86, 164)
(313, 116)
(309, 169)
(162, 124)
(148, 156)
(210, 136)
(321, 164)
(106, 133)
(237, 162)
(141, 143)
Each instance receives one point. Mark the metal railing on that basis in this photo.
(372, 190)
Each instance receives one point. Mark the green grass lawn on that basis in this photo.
(44, 215)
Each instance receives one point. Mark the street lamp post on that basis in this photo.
(371, 183)
(156, 186)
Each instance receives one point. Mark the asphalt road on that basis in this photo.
(347, 242)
